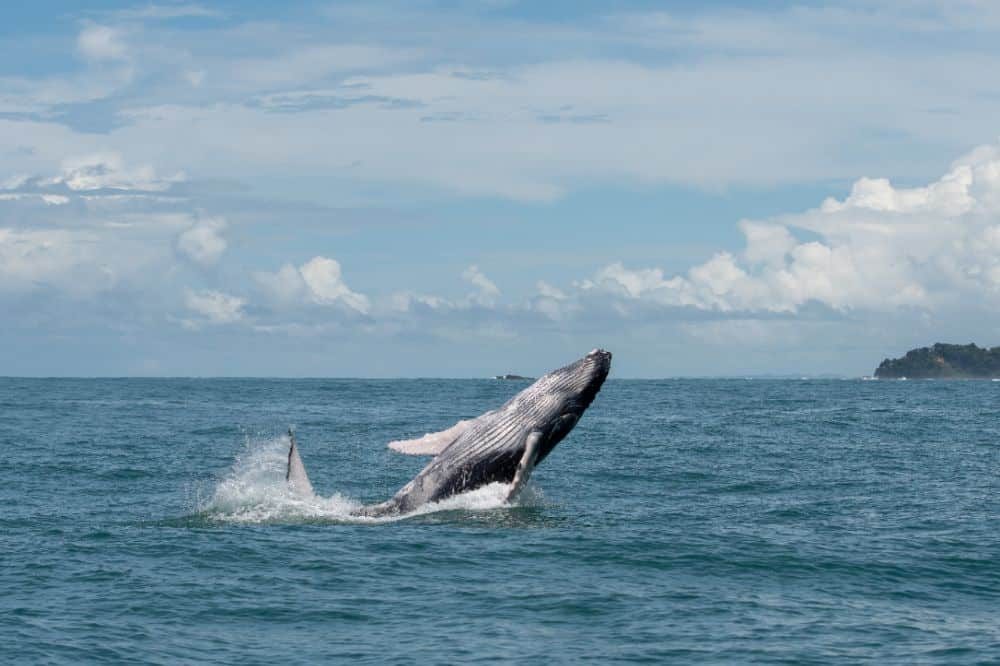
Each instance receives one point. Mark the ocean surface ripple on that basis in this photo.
(709, 521)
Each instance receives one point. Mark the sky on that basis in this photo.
(462, 189)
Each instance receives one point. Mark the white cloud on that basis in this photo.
(488, 292)
(215, 306)
(95, 180)
(203, 243)
(108, 170)
(645, 285)
(405, 301)
(50, 199)
(284, 287)
(415, 117)
(100, 42)
(766, 243)
(543, 119)
(680, 102)
(483, 298)
(880, 249)
(319, 281)
(15, 181)
(81, 262)
(547, 290)
(33, 259)
(552, 302)
(68, 238)
(323, 277)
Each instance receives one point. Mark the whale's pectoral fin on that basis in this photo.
(532, 444)
(295, 473)
(432, 443)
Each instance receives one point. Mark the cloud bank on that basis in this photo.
(881, 249)
(713, 98)
(158, 181)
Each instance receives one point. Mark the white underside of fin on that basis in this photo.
(432, 443)
(527, 464)
(295, 474)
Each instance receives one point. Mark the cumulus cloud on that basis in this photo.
(94, 232)
(319, 281)
(203, 243)
(627, 101)
(880, 249)
(215, 307)
(487, 292)
(551, 301)
(323, 278)
(483, 298)
(285, 286)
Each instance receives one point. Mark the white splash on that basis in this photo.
(255, 491)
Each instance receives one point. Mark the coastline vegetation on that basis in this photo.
(943, 361)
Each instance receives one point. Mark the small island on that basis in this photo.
(943, 361)
(511, 377)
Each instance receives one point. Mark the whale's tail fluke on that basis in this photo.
(295, 473)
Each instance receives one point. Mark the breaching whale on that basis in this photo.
(501, 446)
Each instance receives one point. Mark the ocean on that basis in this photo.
(682, 521)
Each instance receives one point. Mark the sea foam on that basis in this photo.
(254, 490)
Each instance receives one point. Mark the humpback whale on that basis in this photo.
(501, 446)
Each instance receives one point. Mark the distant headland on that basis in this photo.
(511, 377)
(943, 361)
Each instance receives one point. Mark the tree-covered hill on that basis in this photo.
(943, 361)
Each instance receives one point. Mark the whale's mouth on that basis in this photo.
(603, 359)
(590, 373)
(254, 491)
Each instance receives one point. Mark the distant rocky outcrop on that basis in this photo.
(943, 361)
(511, 377)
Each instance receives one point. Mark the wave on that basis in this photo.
(254, 491)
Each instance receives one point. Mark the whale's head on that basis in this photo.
(584, 378)
(564, 394)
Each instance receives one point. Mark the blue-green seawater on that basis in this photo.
(683, 521)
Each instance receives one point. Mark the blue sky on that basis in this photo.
(468, 188)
